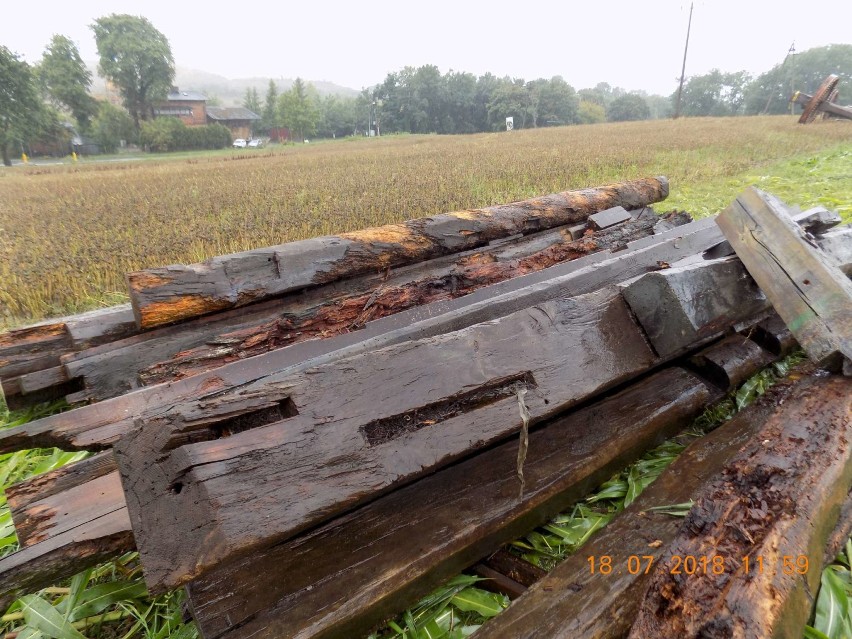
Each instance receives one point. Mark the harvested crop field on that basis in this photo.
(69, 233)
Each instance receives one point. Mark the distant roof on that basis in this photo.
(231, 113)
(194, 96)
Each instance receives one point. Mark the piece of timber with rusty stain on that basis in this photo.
(573, 600)
(200, 345)
(808, 290)
(165, 295)
(97, 426)
(767, 516)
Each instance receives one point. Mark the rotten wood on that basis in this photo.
(572, 601)
(773, 505)
(200, 345)
(165, 295)
(350, 574)
(98, 425)
(810, 293)
(324, 440)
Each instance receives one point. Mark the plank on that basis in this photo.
(98, 425)
(331, 437)
(772, 504)
(165, 295)
(676, 306)
(609, 217)
(199, 345)
(63, 555)
(808, 291)
(571, 601)
(348, 575)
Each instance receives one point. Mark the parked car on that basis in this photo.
(256, 143)
(239, 143)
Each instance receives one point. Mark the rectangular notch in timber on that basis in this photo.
(381, 431)
(247, 421)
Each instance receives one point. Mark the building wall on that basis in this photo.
(199, 111)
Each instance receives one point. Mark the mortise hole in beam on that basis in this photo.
(381, 431)
(263, 417)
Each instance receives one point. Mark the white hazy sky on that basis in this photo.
(636, 45)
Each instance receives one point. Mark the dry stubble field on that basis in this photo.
(69, 233)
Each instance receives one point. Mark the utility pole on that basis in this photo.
(683, 68)
(792, 49)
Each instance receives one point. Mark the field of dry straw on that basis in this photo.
(69, 233)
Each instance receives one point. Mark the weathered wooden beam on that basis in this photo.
(767, 518)
(199, 345)
(732, 361)
(98, 425)
(348, 575)
(327, 439)
(164, 295)
(574, 601)
(838, 245)
(676, 306)
(811, 294)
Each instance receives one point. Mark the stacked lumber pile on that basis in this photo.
(270, 418)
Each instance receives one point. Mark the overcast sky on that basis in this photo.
(635, 45)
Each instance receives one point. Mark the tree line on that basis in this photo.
(43, 101)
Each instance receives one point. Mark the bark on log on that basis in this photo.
(200, 345)
(348, 575)
(772, 505)
(810, 293)
(99, 425)
(165, 295)
(574, 602)
(325, 440)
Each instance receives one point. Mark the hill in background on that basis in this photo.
(229, 92)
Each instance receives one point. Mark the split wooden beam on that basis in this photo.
(808, 290)
(767, 518)
(165, 295)
(196, 346)
(573, 600)
(99, 425)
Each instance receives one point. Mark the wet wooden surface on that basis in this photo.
(165, 295)
(810, 293)
(353, 572)
(776, 502)
(200, 345)
(574, 602)
(98, 425)
(346, 432)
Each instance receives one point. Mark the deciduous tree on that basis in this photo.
(66, 79)
(22, 113)
(137, 59)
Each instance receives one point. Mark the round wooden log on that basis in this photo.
(165, 295)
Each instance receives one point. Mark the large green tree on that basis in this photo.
(137, 59)
(269, 118)
(630, 106)
(714, 94)
(66, 79)
(299, 110)
(22, 113)
(110, 126)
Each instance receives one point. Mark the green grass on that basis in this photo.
(68, 233)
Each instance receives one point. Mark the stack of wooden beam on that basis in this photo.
(277, 413)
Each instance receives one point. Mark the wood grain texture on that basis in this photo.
(188, 501)
(771, 503)
(351, 573)
(571, 601)
(810, 293)
(165, 295)
(98, 425)
(202, 344)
